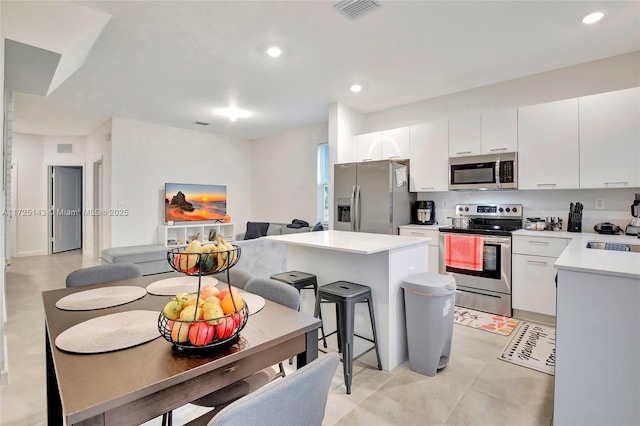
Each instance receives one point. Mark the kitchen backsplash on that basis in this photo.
(543, 203)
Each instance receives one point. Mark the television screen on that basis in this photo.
(187, 202)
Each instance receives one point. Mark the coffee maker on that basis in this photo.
(423, 213)
(634, 227)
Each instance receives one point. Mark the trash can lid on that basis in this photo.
(430, 283)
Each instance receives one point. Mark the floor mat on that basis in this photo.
(532, 346)
(484, 321)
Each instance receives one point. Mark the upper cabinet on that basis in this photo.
(394, 144)
(390, 144)
(500, 131)
(429, 157)
(494, 132)
(610, 139)
(465, 136)
(548, 145)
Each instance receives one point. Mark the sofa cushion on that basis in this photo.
(256, 230)
(287, 230)
(275, 229)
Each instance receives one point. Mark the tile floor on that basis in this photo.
(474, 389)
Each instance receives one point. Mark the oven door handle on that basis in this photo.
(485, 239)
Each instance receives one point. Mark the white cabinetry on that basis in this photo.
(533, 283)
(610, 139)
(465, 136)
(180, 235)
(368, 146)
(391, 144)
(394, 144)
(421, 231)
(429, 157)
(548, 145)
(500, 131)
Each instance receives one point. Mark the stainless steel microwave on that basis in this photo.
(493, 171)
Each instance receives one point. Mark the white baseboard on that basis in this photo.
(31, 253)
(4, 367)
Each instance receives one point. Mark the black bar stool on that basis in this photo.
(346, 295)
(302, 281)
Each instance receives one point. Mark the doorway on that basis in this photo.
(97, 205)
(66, 205)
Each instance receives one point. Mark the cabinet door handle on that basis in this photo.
(367, 159)
(394, 156)
(426, 187)
(541, 243)
(546, 184)
(497, 149)
(230, 369)
(463, 152)
(537, 262)
(418, 233)
(616, 183)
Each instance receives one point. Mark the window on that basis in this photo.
(323, 183)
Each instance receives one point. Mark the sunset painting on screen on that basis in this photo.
(186, 202)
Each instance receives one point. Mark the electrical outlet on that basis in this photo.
(600, 203)
(444, 204)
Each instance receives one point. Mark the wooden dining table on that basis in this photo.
(134, 385)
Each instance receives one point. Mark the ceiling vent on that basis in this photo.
(353, 9)
(201, 123)
(65, 148)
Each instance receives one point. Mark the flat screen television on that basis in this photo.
(185, 202)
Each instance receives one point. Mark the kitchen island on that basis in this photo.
(597, 376)
(379, 261)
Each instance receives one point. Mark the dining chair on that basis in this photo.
(238, 277)
(274, 291)
(299, 398)
(103, 274)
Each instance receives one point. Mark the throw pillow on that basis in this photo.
(317, 227)
(256, 230)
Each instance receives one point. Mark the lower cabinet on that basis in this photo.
(419, 231)
(533, 275)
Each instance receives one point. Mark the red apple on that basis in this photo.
(200, 334)
(226, 291)
(229, 328)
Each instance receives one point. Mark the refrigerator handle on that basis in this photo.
(352, 209)
(358, 209)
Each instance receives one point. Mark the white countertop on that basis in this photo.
(577, 257)
(353, 242)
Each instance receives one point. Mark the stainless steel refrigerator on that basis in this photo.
(372, 196)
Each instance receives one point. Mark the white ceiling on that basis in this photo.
(173, 62)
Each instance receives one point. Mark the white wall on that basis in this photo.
(145, 156)
(98, 148)
(29, 191)
(285, 174)
(615, 73)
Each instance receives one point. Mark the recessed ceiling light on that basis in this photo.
(356, 88)
(592, 17)
(274, 51)
(232, 113)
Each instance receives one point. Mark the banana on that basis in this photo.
(232, 253)
(221, 252)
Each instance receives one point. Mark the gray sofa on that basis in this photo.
(279, 229)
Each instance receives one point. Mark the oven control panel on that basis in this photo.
(489, 210)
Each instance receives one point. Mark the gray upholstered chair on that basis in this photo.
(277, 292)
(103, 274)
(299, 398)
(237, 276)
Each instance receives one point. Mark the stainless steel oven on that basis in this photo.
(488, 289)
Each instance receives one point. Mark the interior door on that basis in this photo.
(67, 208)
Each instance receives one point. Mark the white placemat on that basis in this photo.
(110, 332)
(254, 302)
(173, 286)
(100, 298)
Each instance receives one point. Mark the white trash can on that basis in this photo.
(429, 301)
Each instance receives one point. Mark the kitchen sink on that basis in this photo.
(614, 246)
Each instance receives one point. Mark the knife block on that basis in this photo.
(575, 222)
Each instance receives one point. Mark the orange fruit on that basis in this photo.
(225, 291)
(227, 303)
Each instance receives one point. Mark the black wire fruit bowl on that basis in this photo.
(203, 263)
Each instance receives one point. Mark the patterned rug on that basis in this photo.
(481, 320)
(532, 346)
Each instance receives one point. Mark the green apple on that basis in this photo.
(172, 309)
